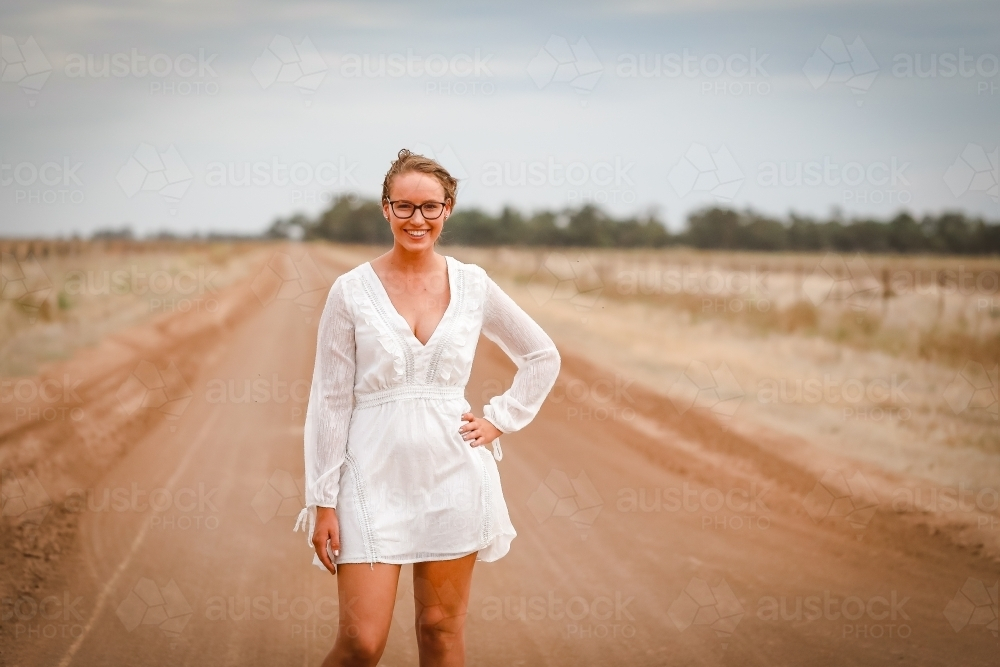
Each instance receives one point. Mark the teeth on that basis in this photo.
(416, 233)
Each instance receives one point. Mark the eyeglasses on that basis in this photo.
(430, 210)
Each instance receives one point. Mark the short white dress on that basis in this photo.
(382, 444)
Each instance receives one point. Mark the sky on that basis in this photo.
(221, 116)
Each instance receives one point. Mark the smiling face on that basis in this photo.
(415, 233)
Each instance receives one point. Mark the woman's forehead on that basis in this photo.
(414, 183)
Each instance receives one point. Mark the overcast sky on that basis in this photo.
(222, 115)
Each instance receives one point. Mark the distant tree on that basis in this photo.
(353, 220)
(123, 232)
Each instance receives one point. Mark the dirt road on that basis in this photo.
(646, 536)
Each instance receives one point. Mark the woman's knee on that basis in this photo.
(361, 646)
(439, 632)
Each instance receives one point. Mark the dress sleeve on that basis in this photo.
(331, 403)
(533, 352)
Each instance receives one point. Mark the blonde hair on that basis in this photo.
(407, 162)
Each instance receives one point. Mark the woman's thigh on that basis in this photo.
(441, 592)
(366, 595)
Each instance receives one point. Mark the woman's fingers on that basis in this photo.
(326, 541)
(472, 432)
(320, 540)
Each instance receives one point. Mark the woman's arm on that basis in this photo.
(328, 417)
(531, 349)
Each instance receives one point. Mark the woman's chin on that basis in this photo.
(411, 243)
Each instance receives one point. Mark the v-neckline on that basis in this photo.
(406, 325)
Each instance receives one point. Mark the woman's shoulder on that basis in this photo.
(347, 286)
(350, 276)
(474, 270)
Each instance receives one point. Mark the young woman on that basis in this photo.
(396, 468)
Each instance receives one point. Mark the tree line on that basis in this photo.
(350, 219)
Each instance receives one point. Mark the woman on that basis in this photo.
(396, 468)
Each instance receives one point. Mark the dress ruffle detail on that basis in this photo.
(469, 317)
(383, 330)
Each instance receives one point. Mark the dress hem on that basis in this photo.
(404, 560)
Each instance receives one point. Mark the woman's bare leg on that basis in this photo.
(366, 596)
(441, 597)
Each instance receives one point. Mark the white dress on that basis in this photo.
(382, 444)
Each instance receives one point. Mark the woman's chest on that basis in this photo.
(389, 351)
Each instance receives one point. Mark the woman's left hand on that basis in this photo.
(477, 431)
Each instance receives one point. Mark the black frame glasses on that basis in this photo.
(392, 205)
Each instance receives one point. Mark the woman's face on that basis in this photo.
(415, 233)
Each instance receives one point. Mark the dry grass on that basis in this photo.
(942, 309)
(62, 295)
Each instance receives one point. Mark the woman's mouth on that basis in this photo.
(417, 233)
